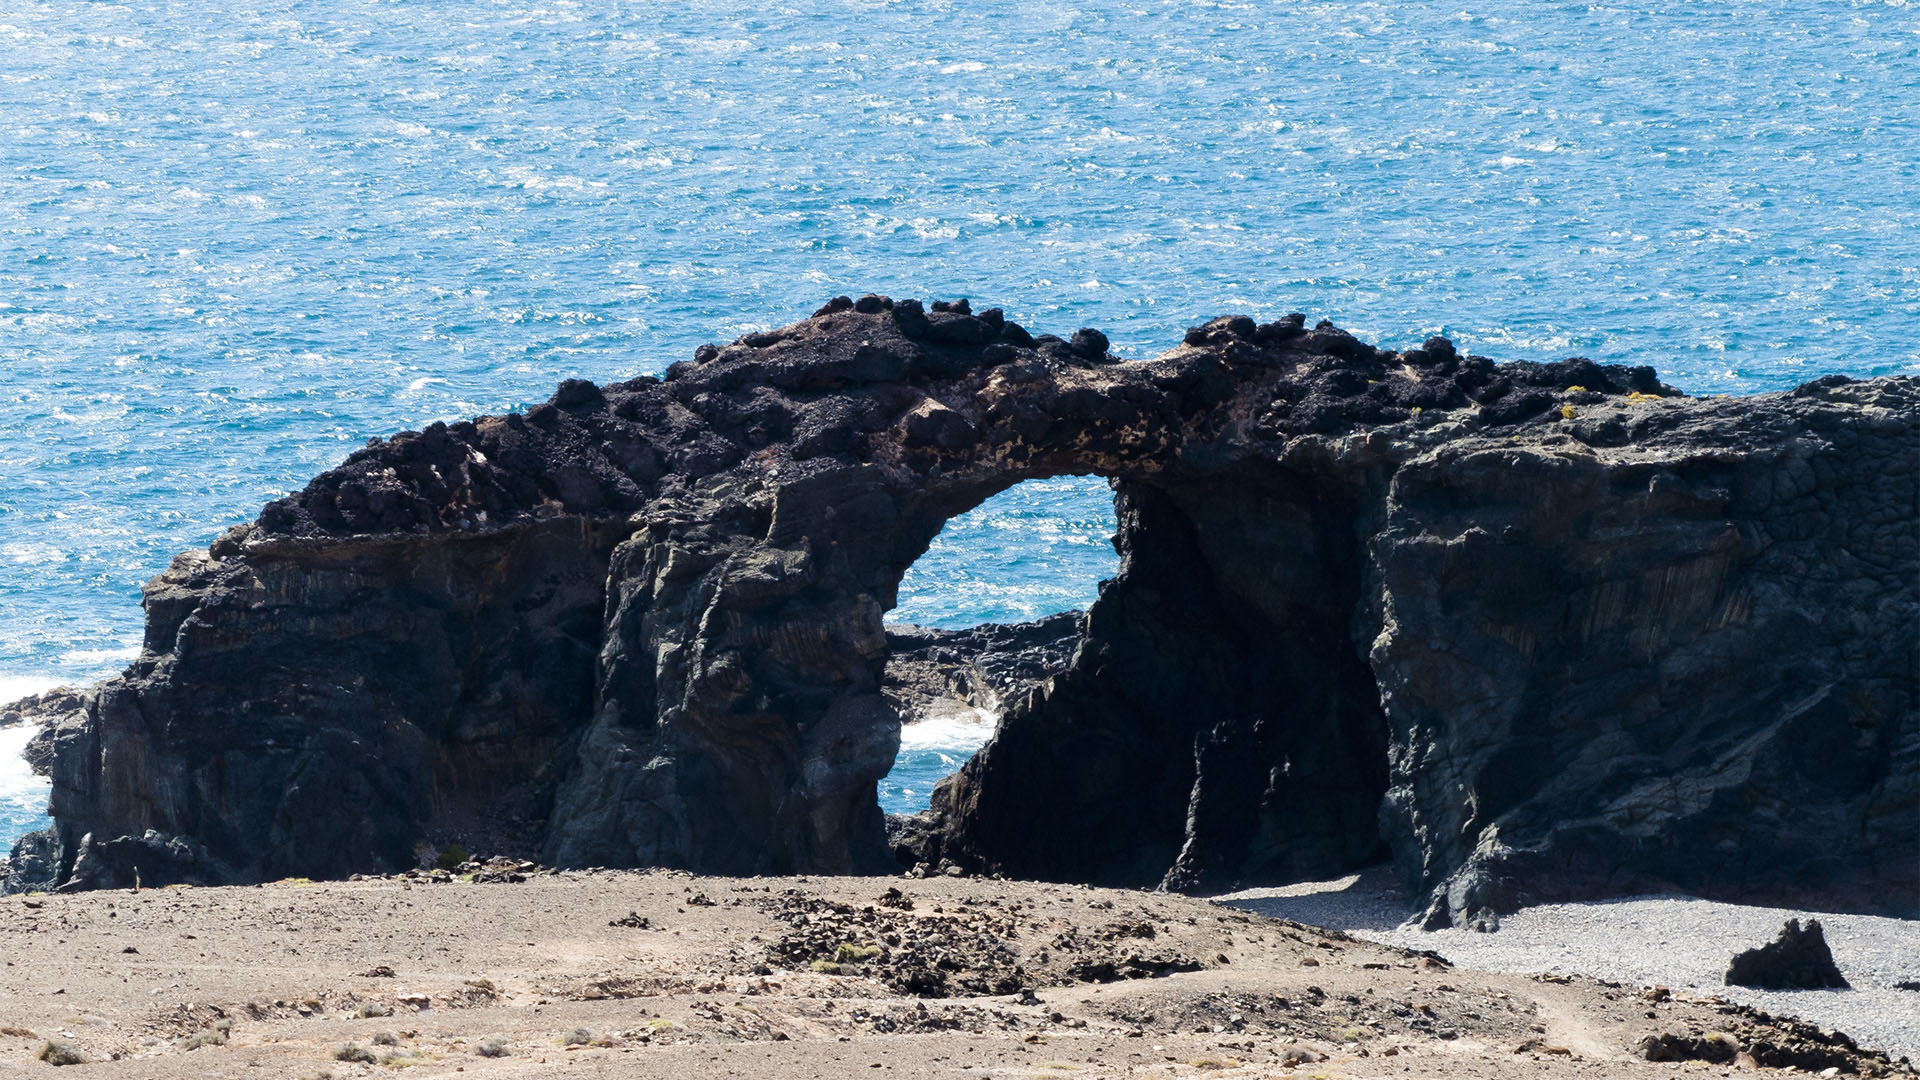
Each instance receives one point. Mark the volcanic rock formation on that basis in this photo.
(983, 669)
(1532, 630)
(1799, 959)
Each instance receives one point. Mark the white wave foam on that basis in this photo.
(952, 726)
(15, 687)
(18, 784)
(125, 654)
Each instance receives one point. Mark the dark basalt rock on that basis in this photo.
(983, 668)
(1536, 631)
(1798, 959)
(1773, 1042)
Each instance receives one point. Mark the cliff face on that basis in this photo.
(1532, 630)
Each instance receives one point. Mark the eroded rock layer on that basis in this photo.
(1533, 631)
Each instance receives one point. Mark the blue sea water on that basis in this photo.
(238, 238)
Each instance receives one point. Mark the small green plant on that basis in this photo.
(354, 1052)
(849, 953)
(451, 856)
(60, 1052)
(827, 967)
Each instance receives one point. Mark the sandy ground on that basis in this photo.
(662, 974)
(1680, 942)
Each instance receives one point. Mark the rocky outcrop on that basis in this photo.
(1533, 631)
(1798, 959)
(982, 669)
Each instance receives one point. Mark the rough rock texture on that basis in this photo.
(1798, 959)
(1536, 631)
(984, 668)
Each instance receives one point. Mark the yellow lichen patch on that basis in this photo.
(1638, 396)
(1576, 389)
(1566, 412)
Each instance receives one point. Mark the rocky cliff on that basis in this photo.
(1533, 631)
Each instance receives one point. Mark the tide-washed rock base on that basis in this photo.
(1533, 631)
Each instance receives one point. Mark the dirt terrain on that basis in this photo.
(517, 972)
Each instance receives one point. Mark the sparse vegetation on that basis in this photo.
(577, 1037)
(354, 1052)
(850, 953)
(386, 1038)
(216, 1034)
(451, 856)
(491, 1048)
(370, 1009)
(60, 1052)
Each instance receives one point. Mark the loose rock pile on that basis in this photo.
(984, 949)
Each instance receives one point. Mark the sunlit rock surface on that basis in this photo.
(1533, 631)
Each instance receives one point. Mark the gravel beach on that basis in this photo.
(1675, 941)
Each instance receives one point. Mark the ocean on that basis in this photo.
(237, 239)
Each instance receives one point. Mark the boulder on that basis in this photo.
(1798, 959)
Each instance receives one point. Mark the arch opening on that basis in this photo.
(1216, 722)
(993, 606)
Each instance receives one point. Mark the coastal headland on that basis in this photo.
(1531, 632)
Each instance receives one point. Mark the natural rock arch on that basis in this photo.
(1509, 623)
